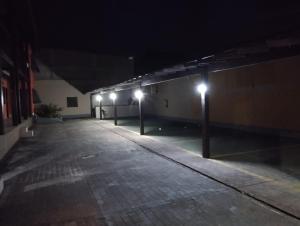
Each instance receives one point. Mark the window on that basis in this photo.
(72, 102)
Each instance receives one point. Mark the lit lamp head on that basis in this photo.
(139, 94)
(113, 96)
(202, 88)
(99, 98)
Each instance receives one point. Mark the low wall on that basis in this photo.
(76, 116)
(8, 140)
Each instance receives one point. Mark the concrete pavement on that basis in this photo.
(82, 172)
(252, 179)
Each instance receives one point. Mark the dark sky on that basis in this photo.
(159, 33)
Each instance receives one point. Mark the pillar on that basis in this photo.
(205, 116)
(141, 112)
(101, 110)
(115, 113)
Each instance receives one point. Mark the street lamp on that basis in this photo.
(113, 97)
(99, 98)
(140, 95)
(202, 89)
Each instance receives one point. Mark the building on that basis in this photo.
(261, 97)
(17, 70)
(66, 77)
(251, 88)
(52, 89)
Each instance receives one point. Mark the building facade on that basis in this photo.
(52, 89)
(16, 72)
(73, 103)
(262, 96)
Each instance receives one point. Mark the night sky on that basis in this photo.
(160, 33)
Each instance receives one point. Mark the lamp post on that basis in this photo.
(113, 97)
(202, 88)
(140, 95)
(99, 99)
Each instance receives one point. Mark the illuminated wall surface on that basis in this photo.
(57, 91)
(127, 105)
(265, 95)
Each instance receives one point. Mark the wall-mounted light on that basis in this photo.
(202, 88)
(139, 94)
(113, 96)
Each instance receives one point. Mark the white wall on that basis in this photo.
(57, 91)
(175, 99)
(126, 104)
(122, 111)
(265, 95)
(8, 140)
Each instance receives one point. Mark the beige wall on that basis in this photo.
(57, 91)
(266, 95)
(8, 140)
(176, 98)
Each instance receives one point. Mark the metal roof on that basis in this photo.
(246, 55)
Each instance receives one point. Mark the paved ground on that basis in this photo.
(224, 142)
(268, 156)
(80, 173)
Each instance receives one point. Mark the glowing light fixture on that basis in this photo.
(139, 94)
(202, 88)
(113, 96)
(99, 98)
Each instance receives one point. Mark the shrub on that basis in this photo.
(48, 111)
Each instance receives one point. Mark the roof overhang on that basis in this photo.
(229, 59)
